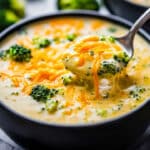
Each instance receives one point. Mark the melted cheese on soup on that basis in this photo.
(41, 87)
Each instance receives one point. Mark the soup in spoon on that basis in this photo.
(95, 57)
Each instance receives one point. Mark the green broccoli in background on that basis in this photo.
(18, 6)
(7, 18)
(78, 4)
(11, 11)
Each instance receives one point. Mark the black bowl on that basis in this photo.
(127, 10)
(114, 134)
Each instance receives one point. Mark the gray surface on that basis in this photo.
(35, 8)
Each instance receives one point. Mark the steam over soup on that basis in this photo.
(35, 80)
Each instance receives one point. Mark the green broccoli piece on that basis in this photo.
(7, 17)
(136, 92)
(111, 67)
(111, 39)
(67, 80)
(19, 53)
(51, 106)
(122, 58)
(71, 37)
(18, 7)
(53, 92)
(78, 4)
(107, 38)
(102, 112)
(40, 42)
(108, 68)
(10, 12)
(103, 38)
(42, 93)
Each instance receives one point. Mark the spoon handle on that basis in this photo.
(138, 24)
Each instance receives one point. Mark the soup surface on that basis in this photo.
(35, 82)
(141, 2)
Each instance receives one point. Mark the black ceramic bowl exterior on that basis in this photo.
(127, 10)
(114, 134)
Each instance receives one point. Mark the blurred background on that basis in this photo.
(12, 11)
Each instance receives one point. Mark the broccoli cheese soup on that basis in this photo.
(69, 70)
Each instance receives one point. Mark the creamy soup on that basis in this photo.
(35, 82)
(141, 2)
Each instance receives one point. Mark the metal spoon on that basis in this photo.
(127, 40)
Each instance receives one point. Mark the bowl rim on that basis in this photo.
(82, 14)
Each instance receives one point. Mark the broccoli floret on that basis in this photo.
(111, 39)
(67, 80)
(102, 112)
(71, 37)
(107, 38)
(19, 53)
(10, 12)
(136, 92)
(40, 42)
(18, 7)
(78, 4)
(51, 106)
(53, 92)
(42, 93)
(108, 68)
(7, 17)
(122, 58)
